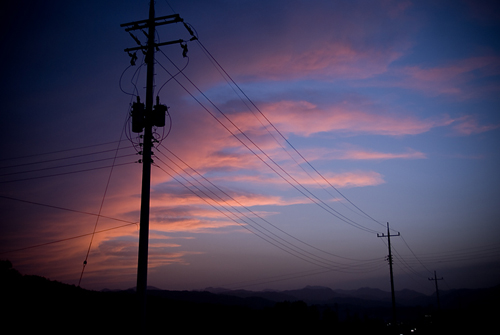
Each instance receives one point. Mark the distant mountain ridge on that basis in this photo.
(321, 295)
(45, 303)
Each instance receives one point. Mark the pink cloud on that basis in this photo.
(336, 60)
(354, 153)
(349, 179)
(469, 125)
(336, 41)
(357, 179)
(450, 79)
(345, 179)
(371, 155)
(396, 8)
(304, 118)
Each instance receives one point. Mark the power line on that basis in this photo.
(62, 208)
(68, 238)
(303, 190)
(102, 202)
(58, 151)
(289, 276)
(238, 219)
(414, 253)
(281, 135)
(66, 173)
(62, 158)
(281, 243)
(462, 255)
(246, 208)
(67, 165)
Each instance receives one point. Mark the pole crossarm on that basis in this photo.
(147, 23)
(152, 23)
(384, 235)
(156, 45)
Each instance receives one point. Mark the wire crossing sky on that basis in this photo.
(295, 131)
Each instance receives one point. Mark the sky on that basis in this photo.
(296, 131)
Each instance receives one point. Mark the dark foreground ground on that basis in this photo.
(33, 304)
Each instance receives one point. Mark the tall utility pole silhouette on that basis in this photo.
(389, 259)
(437, 290)
(145, 119)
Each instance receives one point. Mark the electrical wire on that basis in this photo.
(173, 76)
(492, 251)
(290, 276)
(405, 263)
(62, 208)
(66, 173)
(58, 151)
(414, 255)
(85, 262)
(245, 207)
(240, 221)
(120, 81)
(301, 188)
(66, 165)
(275, 241)
(59, 159)
(100, 210)
(281, 135)
(69, 238)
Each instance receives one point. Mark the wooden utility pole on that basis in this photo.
(437, 289)
(389, 259)
(142, 266)
(143, 119)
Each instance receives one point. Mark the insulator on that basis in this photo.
(137, 114)
(184, 50)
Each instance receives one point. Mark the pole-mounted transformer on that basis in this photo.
(159, 112)
(137, 114)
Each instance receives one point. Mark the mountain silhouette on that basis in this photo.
(34, 304)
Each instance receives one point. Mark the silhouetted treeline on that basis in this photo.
(33, 304)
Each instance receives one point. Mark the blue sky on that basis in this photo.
(392, 104)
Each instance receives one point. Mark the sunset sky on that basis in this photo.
(297, 130)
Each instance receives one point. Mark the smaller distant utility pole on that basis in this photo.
(437, 290)
(389, 259)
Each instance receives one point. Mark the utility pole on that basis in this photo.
(437, 290)
(143, 119)
(389, 259)
(142, 266)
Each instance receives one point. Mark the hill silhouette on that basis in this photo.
(35, 304)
